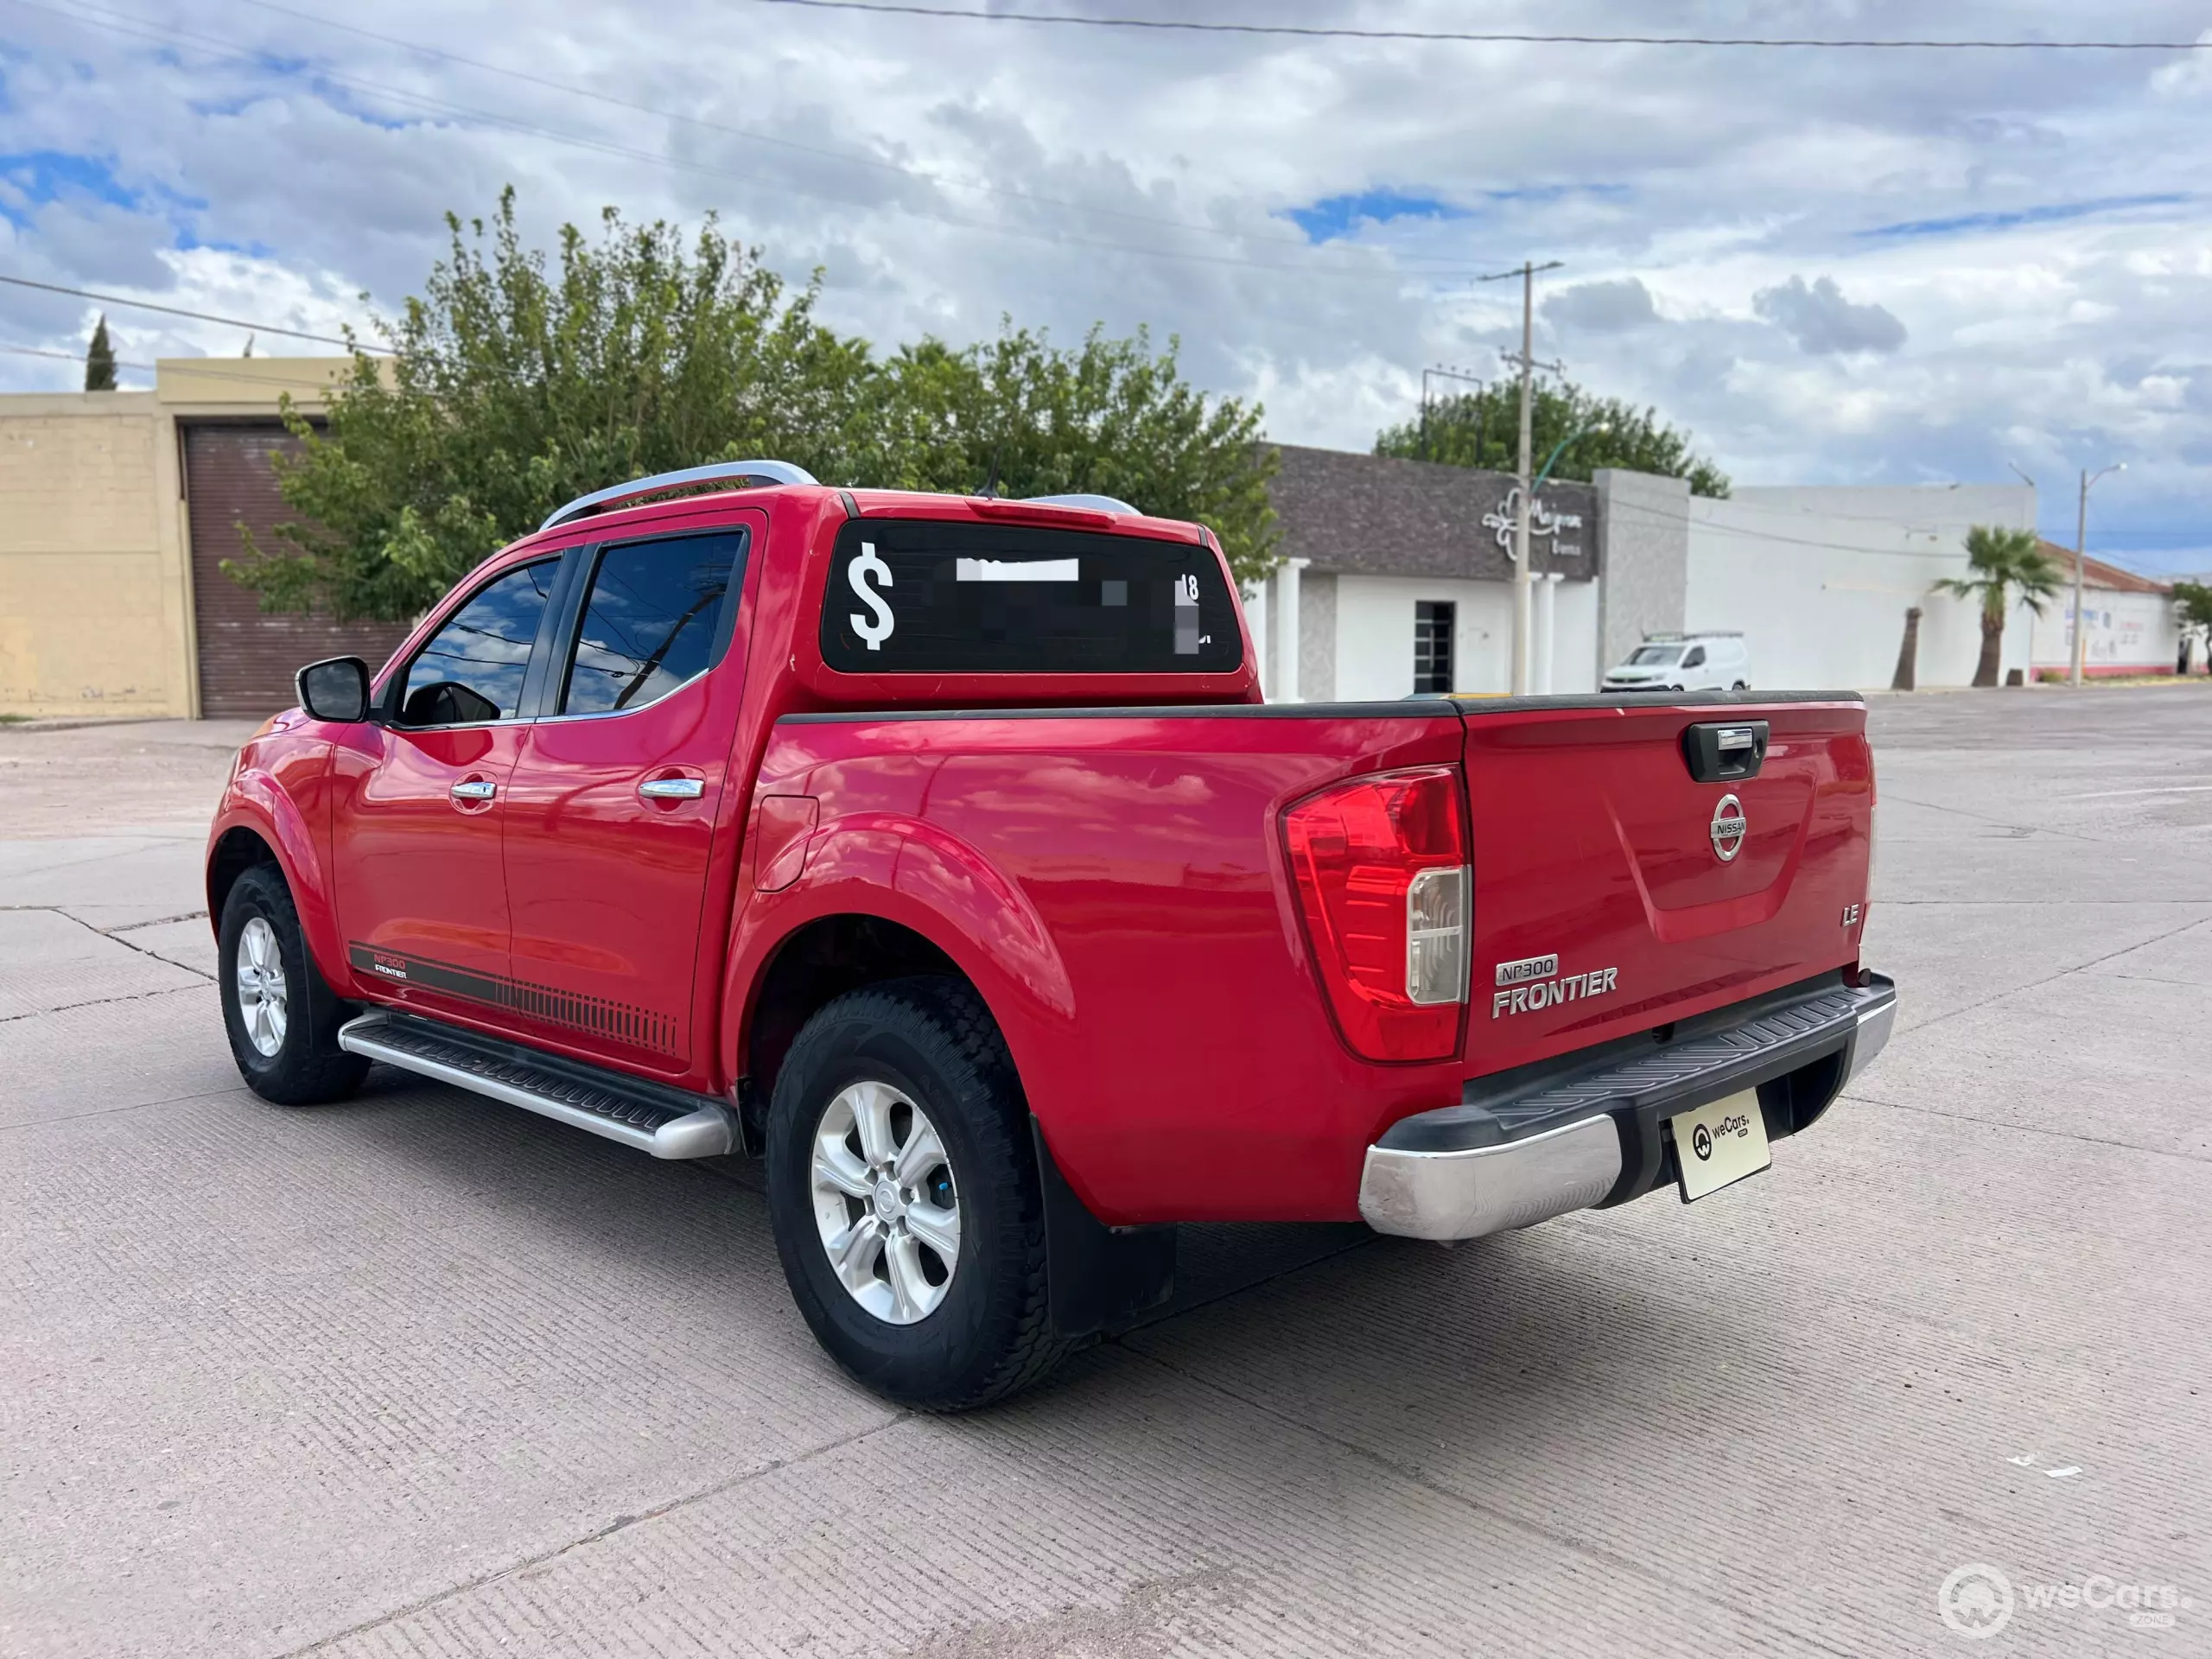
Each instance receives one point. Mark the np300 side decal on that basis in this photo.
(599, 1016)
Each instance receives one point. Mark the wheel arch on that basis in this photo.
(234, 851)
(260, 823)
(818, 960)
(883, 897)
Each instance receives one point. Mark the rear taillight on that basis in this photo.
(1873, 846)
(1381, 867)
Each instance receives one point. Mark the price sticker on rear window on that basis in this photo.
(927, 596)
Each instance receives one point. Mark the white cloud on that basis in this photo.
(2035, 218)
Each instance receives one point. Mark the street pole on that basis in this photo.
(1523, 592)
(2081, 564)
(1523, 588)
(2081, 568)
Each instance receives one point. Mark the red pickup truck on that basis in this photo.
(940, 851)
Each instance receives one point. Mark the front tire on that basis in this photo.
(281, 1015)
(904, 1191)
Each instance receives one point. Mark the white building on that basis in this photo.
(1819, 579)
(1397, 575)
(2133, 626)
(1397, 578)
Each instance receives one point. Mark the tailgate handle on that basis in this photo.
(1724, 752)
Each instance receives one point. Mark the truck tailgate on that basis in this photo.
(1615, 891)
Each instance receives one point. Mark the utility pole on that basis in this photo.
(2081, 565)
(1523, 604)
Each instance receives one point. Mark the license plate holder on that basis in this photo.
(1718, 1144)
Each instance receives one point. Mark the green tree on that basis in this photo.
(2002, 563)
(1018, 416)
(516, 384)
(2193, 603)
(99, 359)
(1483, 429)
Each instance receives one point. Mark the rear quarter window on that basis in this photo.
(915, 596)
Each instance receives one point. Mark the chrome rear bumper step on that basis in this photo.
(651, 1117)
(1591, 1134)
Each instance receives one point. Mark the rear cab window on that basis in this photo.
(658, 614)
(931, 596)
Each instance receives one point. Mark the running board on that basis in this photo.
(651, 1117)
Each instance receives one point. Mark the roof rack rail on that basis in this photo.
(756, 472)
(1095, 503)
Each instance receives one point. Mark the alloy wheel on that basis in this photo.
(884, 1202)
(261, 992)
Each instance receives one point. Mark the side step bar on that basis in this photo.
(651, 1117)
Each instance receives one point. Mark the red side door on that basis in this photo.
(420, 805)
(616, 796)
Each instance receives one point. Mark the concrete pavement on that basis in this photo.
(418, 1374)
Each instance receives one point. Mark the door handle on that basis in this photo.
(473, 789)
(672, 789)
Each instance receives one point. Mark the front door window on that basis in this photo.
(472, 671)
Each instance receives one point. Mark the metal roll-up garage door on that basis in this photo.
(248, 655)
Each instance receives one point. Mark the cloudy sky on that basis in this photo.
(1832, 266)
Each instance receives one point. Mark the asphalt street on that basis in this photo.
(421, 1375)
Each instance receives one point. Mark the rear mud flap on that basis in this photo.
(1100, 1278)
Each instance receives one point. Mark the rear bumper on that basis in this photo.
(1586, 1130)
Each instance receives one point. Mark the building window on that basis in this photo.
(1433, 645)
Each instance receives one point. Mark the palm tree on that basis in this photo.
(2002, 561)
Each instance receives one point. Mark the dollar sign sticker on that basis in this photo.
(868, 565)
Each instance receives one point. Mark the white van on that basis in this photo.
(1684, 661)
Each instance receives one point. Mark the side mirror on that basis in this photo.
(336, 689)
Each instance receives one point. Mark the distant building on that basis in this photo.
(1397, 578)
(1819, 579)
(117, 511)
(2132, 625)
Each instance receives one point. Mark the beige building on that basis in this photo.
(117, 509)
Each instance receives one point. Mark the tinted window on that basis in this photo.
(1696, 658)
(909, 596)
(1432, 621)
(658, 614)
(472, 667)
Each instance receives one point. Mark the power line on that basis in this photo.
(1504, 37)
(1693, 523)
(193, 366)
(197, 316)
(65, 357)
(751, 135)
(127, 23)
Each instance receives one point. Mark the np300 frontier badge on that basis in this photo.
(1524, 991)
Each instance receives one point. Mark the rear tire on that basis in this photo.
(281, 1015)
(923, 1059)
